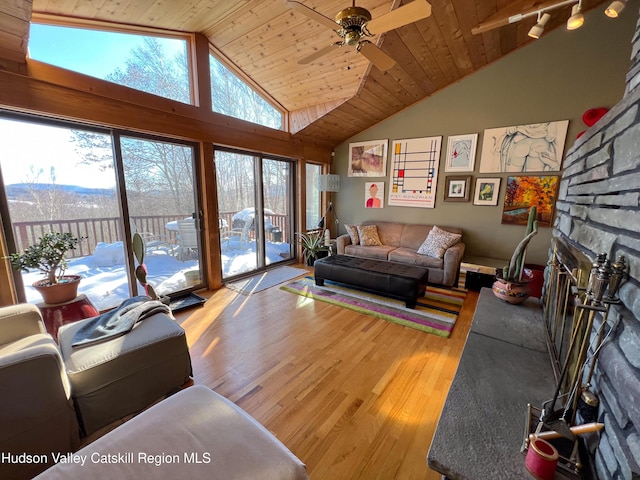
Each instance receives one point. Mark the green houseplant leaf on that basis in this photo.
(312, 244)
(46, 255)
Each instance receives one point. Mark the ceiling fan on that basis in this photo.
(355, 24)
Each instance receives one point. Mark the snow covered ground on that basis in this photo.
(104, 278)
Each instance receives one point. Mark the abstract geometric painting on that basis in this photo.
(413, 175)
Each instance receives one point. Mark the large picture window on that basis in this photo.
(231, 96)
(152, 64)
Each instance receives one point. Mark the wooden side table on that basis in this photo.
(56, 315)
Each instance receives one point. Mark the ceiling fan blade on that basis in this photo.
(318, 53)
(312, 14)
(411, 12)
(376, 56)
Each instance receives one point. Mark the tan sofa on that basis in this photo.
(400, 243)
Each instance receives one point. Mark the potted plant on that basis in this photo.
(313, 246)
(47, 255)
(139, 249)
(512, 283)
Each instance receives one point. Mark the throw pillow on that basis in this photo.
(352, 230)
(437, 242)
(368, 235)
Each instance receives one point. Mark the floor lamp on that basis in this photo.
(328, 183)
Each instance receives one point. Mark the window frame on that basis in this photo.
(97, 25)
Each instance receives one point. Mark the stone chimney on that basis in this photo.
(598, 211)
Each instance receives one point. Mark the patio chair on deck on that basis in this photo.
(151, 240)
(187, 239)
(242, 234)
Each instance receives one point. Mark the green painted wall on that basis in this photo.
(555, 78)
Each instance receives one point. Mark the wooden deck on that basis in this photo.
(353, 396)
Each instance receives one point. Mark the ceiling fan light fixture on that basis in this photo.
(537, 30)
(352, 38)
(614, 9)
(576, 20)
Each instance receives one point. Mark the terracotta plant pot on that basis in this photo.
(513, 292)
(64, 291)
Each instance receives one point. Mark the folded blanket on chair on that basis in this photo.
(119, 321)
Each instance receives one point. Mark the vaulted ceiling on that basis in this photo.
(340, 94)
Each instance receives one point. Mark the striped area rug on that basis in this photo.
(436, 313)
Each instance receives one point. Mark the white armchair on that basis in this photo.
(36, 412)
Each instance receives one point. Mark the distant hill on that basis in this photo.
(17, 190)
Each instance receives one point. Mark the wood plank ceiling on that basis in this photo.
(340, 94)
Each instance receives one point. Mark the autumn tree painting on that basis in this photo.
(524, 192)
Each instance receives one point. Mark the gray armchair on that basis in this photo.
(36, 412)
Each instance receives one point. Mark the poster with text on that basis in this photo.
(413, 175)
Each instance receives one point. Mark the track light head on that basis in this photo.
(538, 28)
(576, 20)
(615, 8)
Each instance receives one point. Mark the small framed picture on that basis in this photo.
(457, 189)
(487, 191)
(461, 153)
(374, 195)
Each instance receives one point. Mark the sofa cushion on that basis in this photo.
(437, 242)
(390, 233)
(368, 235)
(409, 256)
(413, 236)
(379, 252)
(352, 230)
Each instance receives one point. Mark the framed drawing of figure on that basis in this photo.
(374, 195)
(536, 147)
(461, 153)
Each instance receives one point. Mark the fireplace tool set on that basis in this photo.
(577, 364)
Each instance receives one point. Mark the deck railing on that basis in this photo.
(108, 230)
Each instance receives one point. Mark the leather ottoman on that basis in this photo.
(397, 280)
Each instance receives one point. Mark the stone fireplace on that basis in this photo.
(598, 211)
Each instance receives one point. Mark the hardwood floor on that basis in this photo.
(354, 397)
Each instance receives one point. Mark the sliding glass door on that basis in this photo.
(161, 205)
(91, 183)
(247, 184)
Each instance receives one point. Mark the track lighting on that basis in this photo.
(539, 8)
(576, 20)
(538, 28)
(615, 8)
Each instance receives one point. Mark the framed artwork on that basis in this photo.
(461, 153)
(487, 191)
(457, 189)
(368, 159)
(374, 195)
(524, 192)
(413, 176)
(536, 147)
